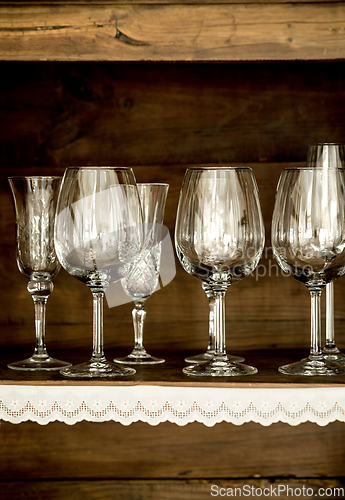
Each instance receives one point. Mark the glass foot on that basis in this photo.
(333, 354)
(133, 359)
(38, 363)
(206, 356)
(139, 356)
(97, 369)
(310, 367)
(219, 367)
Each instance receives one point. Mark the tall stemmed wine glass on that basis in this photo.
(209, 353)
(143, 280)
(35, 200)
(219, 239)
(328, 155)
(308, 239)
(97, 239)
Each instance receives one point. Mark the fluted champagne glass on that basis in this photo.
(328, 155)
(143, 280)
(97, 239)
(35, 199)
(208, 354)
(219, 238)
(308, 239)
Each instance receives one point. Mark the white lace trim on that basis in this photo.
(180, 405)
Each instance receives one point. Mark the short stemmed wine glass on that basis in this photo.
(143, 280)
(328, 155)
(209, 353)
(219, 238)
(35, 199)
(308, 239)
(97, 238)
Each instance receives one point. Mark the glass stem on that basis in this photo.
(330, 343)
(138, 315)
(97, 326)
(210, 347)
(315, 346)
(40, 322)
(40, 291)
(219, 323)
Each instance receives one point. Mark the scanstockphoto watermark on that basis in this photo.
(280, 490)
(248, 262)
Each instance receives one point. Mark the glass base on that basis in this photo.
(38, 363)
(219, 367)
(139, 356)
(133, 359)
(206, 356)
(311, 367)
(333, 354)
(97, 369)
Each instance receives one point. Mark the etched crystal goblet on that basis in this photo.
(35, 199)
(143, 279)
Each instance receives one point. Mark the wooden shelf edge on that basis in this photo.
(138, 32)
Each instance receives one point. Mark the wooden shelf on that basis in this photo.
(170, 372)
(163, 393)
(161, 31)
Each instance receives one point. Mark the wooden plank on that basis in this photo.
(181, 32)
(165, 489)
(110, 451)
(167, 115)
(145, 2)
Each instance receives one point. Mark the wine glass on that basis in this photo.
(97, 239)
(308, 239)
(328, 155)
(219, 238)
(35, 200)
(142, 281)
(205, 356)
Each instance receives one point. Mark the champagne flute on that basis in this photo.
(97, 239)
(308, 239)
(35, 200)
(328, 155)
(205, 356)
(219, 238)
(142, 281)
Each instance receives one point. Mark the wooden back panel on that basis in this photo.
(159, 118)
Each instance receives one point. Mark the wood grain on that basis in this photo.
(109, 451)
(165, 489)
(201, 32)
(58, 114)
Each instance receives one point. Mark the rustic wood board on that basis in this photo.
(165, 489)
(109, 450)
(179, 32)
